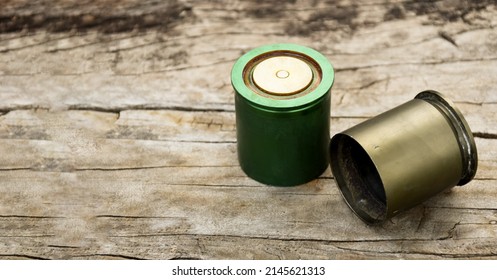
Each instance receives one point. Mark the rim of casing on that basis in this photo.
(462, 130)
(327, 79)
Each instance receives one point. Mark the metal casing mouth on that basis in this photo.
(358, 178)
(402, 157)
(282, 104)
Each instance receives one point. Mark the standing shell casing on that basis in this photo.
(282, 103)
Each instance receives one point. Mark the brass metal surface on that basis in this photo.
(282, 75)
(402, 157)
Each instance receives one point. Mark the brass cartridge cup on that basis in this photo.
(402, 157)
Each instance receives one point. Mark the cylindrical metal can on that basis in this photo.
(402, 157)
(282, 103)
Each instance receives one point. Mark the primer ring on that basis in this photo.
(323, 76)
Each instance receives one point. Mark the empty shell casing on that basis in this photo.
(402, 157)
(282, 103)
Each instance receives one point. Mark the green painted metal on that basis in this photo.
(283, 141)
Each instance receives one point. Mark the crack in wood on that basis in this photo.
(365, 86)
(122, 168)
(121, 256)
(83, 169)
(272, 238)
(70, 48)
(28, 236)
(476, 103)
(37, 44)
(462, 208)
(485, 179)
(485, 135)
(178, 141)
(15, 168)
(220, 185)
(435, 62)
(182, 257)
(63, 246)
(447, 37)
(6, 110)
(450, 232)
(119, 109)
(32, 217)
(422, 219)
(403, 252)
(137, 217)
(24, 256)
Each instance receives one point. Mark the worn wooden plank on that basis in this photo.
(106, 200)
(100, 208)
(117, 128)
(79, 140)
(102, 66)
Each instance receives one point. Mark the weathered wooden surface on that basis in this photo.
(117, 129)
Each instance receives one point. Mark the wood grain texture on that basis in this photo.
(117, 128)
